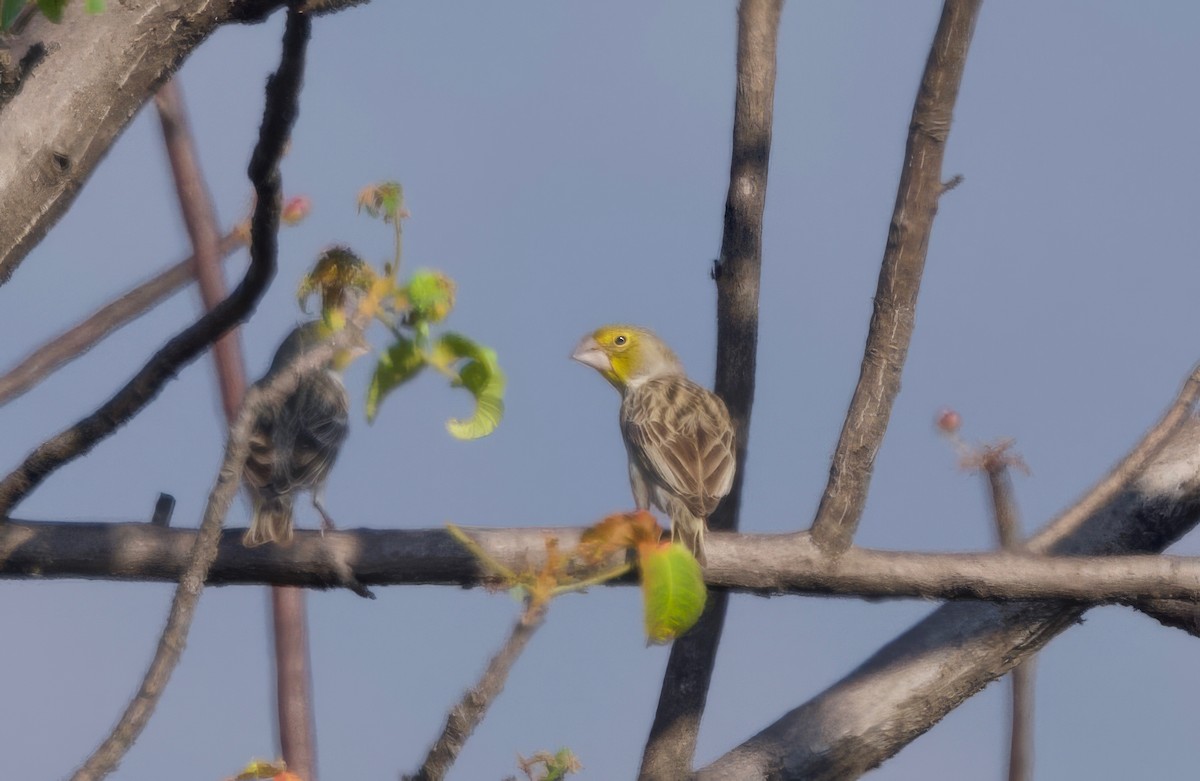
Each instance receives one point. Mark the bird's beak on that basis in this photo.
(588, 353)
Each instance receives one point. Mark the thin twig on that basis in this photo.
(46, 358)
(995, 461)
(469, 712)
(278, 116)
(1020, 743)
(899, 282)
(672, 741)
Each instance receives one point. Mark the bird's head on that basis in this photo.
(627, 355)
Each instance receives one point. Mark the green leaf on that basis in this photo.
(672, 589)
(94, 6)
(481, 375)
(397, 365)
(429, 297)
(53, 9)
(9, 9)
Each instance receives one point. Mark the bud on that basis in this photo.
(296, 209)
(948, 421)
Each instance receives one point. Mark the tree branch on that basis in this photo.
(466, 715)
(672, 740)
(763, 564)
(200, 217)
(911, 683)
(44, 359)
(899, 281)
(66, 112)
(1174, 613)
(996, 462)
(278, 116)
(293, 670)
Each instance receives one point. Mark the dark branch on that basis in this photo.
(282, 102)
(672, 741)
(899, 282)
(1175, 613)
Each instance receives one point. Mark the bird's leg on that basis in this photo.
(327, 524)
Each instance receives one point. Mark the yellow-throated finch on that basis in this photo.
(678, 434)
(294, 443)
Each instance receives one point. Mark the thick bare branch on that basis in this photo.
(672, 741)
(279, 114)
(64, 114)
(899, 281)
(764, 564)
(911, 683)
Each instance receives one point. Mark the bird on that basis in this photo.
(678, 434)
(293, 444)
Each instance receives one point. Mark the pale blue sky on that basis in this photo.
(566, 164)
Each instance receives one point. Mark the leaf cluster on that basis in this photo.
(410, 309)
(672, 581)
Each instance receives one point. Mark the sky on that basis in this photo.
(566, 164)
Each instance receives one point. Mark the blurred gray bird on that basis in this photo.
(293, 444)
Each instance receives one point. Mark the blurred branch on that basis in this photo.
(995, 461)
(899, 281)
(293, 669)
(279, 114)
(466, 715)
(200, 217)
(1020, 743)
(44, 359)
(672, 740)
(764, 564)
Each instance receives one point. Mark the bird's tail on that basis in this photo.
(689, 529)
(272, 522)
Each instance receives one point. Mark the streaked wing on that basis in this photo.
(318, 413)
(681, 436)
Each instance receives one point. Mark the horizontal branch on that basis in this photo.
(761, 564)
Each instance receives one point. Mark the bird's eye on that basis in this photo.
(620, 340)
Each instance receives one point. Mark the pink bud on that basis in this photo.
(296, 209)
(948, 421)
